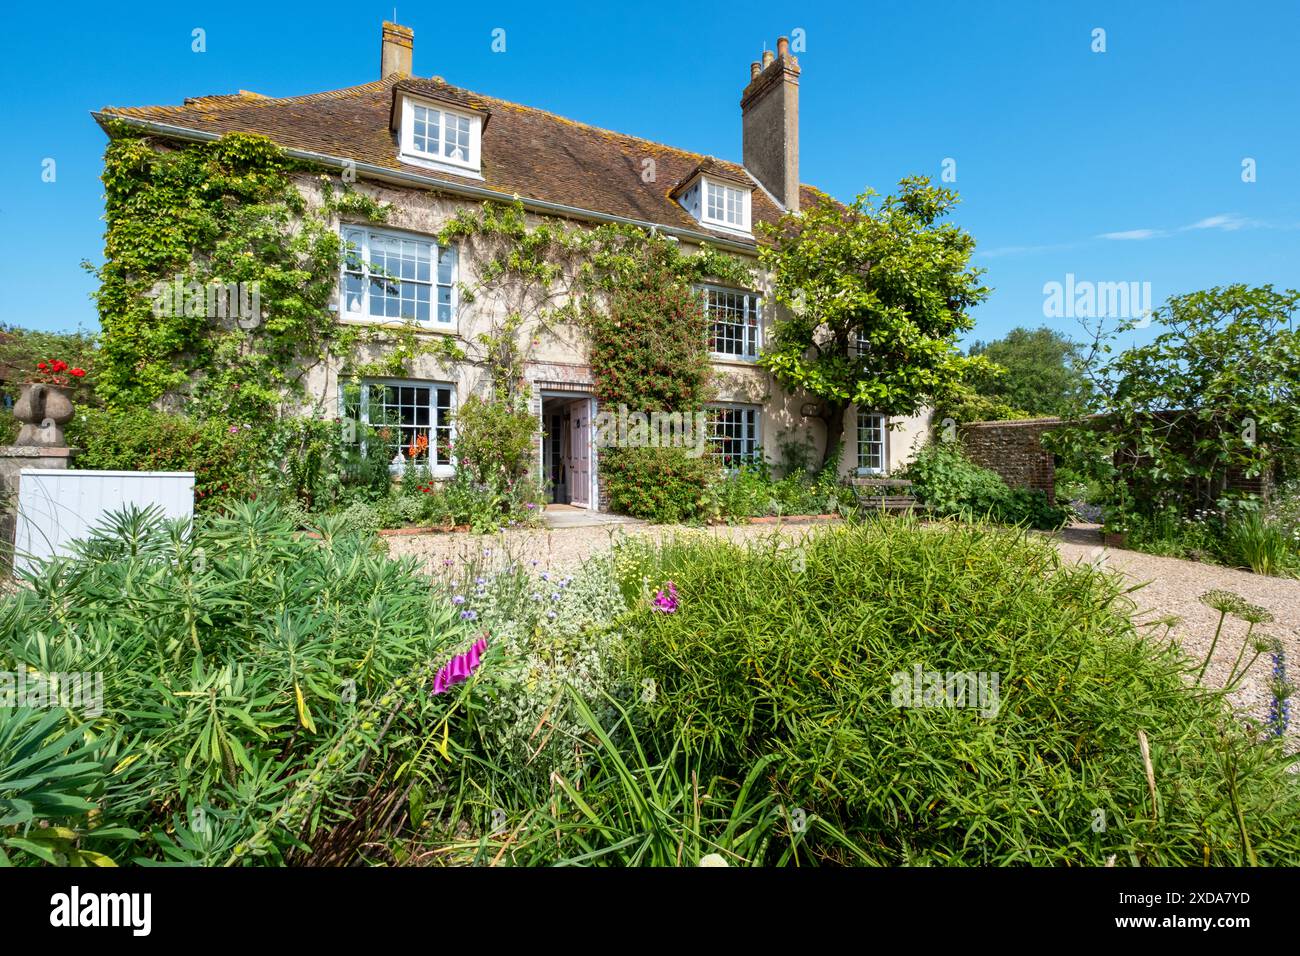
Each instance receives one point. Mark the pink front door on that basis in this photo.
(579, 465)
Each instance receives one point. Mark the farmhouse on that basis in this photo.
(429, 150)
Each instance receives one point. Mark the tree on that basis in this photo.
(1218, 389)
(1040, 372)
(876, 296)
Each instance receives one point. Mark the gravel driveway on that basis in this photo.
(1171, 587)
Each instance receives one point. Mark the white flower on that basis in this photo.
(713, 859)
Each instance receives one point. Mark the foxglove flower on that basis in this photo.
(458, 669)
(666, 602)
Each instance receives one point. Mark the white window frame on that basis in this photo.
(753, 424)
(863, 424)
(398, 463)
(745, 197)
(471, 165)
(750, 335)
(434, 282)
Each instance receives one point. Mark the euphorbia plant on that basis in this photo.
(55, 372)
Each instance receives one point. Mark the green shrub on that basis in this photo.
(750, 491)
(793, 655)
(951, 485)
(1251, 540)
(263, 689)
(1168, 532)
(663, 485)
(554, 633)
(311, 462)
(227, 458)
(494, 442)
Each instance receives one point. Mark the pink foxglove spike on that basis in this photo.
(460, 667)
(667, 603)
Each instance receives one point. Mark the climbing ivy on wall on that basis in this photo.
(226, 212)
(230, 211)
(629, 291)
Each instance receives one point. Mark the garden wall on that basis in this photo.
(1013, 449)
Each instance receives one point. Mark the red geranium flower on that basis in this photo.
(78, 372)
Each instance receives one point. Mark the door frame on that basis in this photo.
(593, 480)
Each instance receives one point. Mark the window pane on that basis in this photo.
(394, 281)
(871, 442)
(425, 129)
(735, 318)
(733, 434)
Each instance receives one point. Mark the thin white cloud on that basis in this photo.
(1134, 234)
(1224, 222)
(1228, 221)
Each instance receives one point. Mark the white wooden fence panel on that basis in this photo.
(58, 506)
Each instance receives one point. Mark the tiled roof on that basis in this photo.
(525, 151)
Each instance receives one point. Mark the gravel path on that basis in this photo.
(1171, 587)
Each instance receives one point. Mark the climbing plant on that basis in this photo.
(627, 290)
(184, 220)
(234, 214)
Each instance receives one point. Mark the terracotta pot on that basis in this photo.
(43, 410)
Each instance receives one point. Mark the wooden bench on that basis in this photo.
(885, 494)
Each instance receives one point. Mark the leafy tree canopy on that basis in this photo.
(876, 294)
(1040, 374)
(1216, 389)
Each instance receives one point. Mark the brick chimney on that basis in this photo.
(396, 52)
(769, 110)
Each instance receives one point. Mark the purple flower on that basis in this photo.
(551, 615)
(555, 595)
(460, 667)
(480, 581)
(458, 599)
(667, 603)
(530, 506)
(468, 615)
(546, 576)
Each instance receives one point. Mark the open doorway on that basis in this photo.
(567, 465)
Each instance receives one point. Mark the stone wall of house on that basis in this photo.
(1014, 450)
(558, 360)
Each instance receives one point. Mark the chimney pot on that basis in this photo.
(769, 110)
(396, 50)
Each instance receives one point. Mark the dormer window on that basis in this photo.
(440, 138)
(717, 198)
(726, 205)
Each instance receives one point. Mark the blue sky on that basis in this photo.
(1115, 166)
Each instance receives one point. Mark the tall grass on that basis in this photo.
(787, 655)
(1252, 541)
